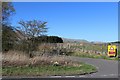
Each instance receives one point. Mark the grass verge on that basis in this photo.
(85, 55)
(48, 70)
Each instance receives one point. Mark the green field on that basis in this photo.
(84, 55)
(97, 51)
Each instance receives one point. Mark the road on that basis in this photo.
(106, 68)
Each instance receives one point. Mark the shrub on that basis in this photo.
(47, 39)
(8, 37)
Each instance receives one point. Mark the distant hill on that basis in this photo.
(22, 36)
(85, 41)
(116, 42)
(75, 40)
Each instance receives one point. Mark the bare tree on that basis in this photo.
(33, 28)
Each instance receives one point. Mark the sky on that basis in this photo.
(92, 21)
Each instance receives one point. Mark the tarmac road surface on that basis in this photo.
(106, 68)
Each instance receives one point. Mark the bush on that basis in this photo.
(53, 49)
(8, 37)
(26, 47)
(47, 39)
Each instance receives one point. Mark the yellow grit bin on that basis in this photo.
(112, 50)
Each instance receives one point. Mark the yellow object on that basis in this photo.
(112, 50)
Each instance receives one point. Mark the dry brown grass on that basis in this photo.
(14, 55)
(15, 58)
